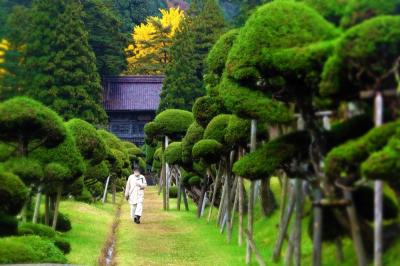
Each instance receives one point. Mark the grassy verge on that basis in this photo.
(90, 225)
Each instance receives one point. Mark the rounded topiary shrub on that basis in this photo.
(63, 222)
(38, 229)
(208, 150)
(85, 196)
(173, 153)
(13, 193)
(62, 244)
(29, 249)
(173, 192)
(193, 135)
(194, 180)
(30, 171)
(216, 129)
(173, 122)
(237, 131)
(8, 225)
(207, 107)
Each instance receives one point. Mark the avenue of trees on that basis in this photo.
(305, 92)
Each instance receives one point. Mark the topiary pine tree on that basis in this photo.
(106, 38)
(62, 67)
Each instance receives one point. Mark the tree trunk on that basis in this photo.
(179, 197)
(241, 207)
(221, 203)
(268, 201)
(37, 205)
(57, 206)
(235, 202)
(47, 210)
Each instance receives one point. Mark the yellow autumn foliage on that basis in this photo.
(148, 51)
(3, 48)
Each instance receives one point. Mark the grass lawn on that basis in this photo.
(91, 224)
(179, 238)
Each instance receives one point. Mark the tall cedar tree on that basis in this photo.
(184, 75)
(6, 7)
(105, 37)
(62, 66)
(134, 12)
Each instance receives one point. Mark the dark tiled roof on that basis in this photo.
(132, 93)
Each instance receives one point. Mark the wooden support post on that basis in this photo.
(339, 250)
(105, 189)
(216, 184)
(253, 145)
(298, 186)
(57, 206)
(241, 203)
(185, 201)
(37, 205)
(47, 210)
(254, 249)
(317, 230)
(378, 192)
(355, 229)
(283, 227)
(221, 203)
(179, 196)
(235, 202)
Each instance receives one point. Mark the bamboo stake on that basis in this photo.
(339, 250)
(241, 203)
(216, 183)
(253, 143)
(317, 230)
(378, 192)
(57, 206)
(254, 249)
(283, 227)
(235, 202)
(178, 186)
(298, 183)
(185, 201)
(105, 189)
(37, 205)
(221, 203)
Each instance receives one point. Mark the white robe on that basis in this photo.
(135, 189)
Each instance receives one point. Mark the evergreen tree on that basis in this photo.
(184, 76)
(62, 67)
(105, 37)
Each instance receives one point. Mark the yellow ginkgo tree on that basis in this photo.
(3, 48)
(148, 53)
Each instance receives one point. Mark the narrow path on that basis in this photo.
(171, 238)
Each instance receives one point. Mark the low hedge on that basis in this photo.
(173, 192)
(29, 249)
(37, 229)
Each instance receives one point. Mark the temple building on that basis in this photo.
(131, 102)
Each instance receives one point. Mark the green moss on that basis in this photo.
(274, 155)
(216, 129)
(207, 107)
(345, 159)
(29, 249)
(373, 43)
(13, 193)
(331, 10)
(63, 222)
(62, 245)
(25, 117)
(89, 142)
(173, 122)
(209, 150)
(173, 153)
(194, 134)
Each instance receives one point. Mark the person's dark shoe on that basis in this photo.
(137, 219)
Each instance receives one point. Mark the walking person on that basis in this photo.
(134, 193)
